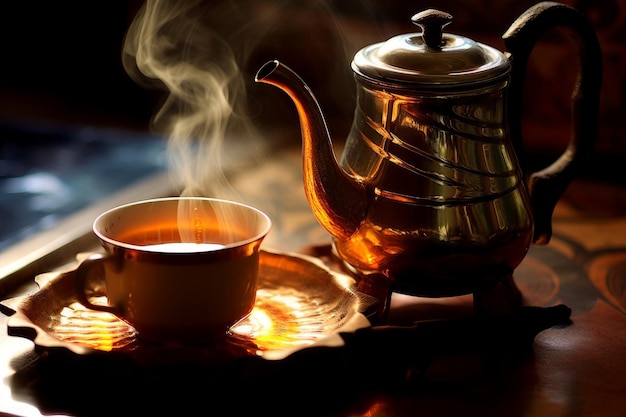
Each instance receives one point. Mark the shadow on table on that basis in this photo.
(449, 359)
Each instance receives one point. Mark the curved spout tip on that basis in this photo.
(266, 70)
(339, 202)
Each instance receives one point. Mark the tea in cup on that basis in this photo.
(178, 270)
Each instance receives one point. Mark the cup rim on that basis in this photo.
(240, 243)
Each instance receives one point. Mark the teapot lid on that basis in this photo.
(430, 60)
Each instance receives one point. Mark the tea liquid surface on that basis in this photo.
(182, 247)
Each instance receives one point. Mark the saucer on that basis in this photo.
(300, 303)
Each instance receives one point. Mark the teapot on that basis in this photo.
(429, 193)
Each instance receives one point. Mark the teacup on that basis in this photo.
(178, 270)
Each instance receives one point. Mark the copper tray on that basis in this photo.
(300, 303)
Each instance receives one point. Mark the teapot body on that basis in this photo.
(428, 192)
(448, 203)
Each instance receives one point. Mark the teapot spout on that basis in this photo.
(338, 201)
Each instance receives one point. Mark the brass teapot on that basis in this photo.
(429, 192)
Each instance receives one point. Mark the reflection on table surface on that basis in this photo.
(451, 365)
(50, 172)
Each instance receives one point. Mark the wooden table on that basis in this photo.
(575, 369)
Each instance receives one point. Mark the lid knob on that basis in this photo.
(430, 59)
(432, 23)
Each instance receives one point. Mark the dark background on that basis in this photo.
(61, 61)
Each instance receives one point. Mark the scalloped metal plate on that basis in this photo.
(300, 303)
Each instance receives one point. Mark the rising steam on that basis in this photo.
(194, 51)
(170, 44)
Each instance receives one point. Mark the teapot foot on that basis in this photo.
(494, 293)
(498, 297)
(379, 287)
(374, 284)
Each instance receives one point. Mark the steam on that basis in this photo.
(194, 50)
(170, 44)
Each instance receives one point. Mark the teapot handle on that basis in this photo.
(546, 186)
